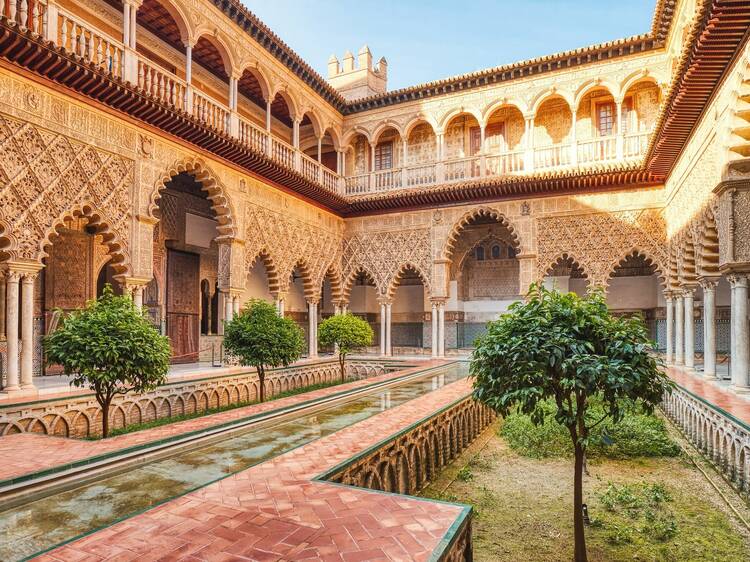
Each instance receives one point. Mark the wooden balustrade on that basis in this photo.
(462, 169)
(636, 144)
(387, 179)
(283, 153)
(600, 149)
(422, 174)
(310, 168)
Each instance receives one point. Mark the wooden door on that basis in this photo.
(183, 305)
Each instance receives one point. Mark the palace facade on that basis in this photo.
(181, 151)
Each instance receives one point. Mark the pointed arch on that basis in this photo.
(565, 258)
(468, 217)
(272, 272)
(349, 281)
(403, 268)
(333, 274)
(291, 103)
(635, 252)
(97, 220)
(215, 191)
(708, 247)
(250, 72)
(308, 282)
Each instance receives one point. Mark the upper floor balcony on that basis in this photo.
(591, 129)
(192, 69)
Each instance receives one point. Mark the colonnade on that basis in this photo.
(17, 311)
(680, 313)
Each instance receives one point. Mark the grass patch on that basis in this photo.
(637, 435)
(183, 417)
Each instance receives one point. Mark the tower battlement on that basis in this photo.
(366, 79)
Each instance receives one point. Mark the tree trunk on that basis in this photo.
(342, 362)
(578, 531)
(105, 419)
(262, 383)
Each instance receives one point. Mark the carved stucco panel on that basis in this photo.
(599, 241)
(45, 175)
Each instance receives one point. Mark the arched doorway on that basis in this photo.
(484, 277)
(410, 300)
(186, 269)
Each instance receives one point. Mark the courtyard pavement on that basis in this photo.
(278, 511)
(716, 392)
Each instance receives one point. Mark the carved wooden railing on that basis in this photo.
(161, 83)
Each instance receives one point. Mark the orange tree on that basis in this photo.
(567, 349)
(348, 333)
(259, 337)
(110, 347)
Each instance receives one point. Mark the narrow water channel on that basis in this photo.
(28, 529)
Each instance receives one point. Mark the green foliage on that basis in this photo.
(346, 331)
(465, 474)
(640, 510)
(111, 348)
(637, 435)
(566, 348)
(260, 338)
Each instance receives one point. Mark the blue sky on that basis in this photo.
(427, 40)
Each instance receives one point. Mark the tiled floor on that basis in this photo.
(714, 392)
(275, 511)
(26, 453)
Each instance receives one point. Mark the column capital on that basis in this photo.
(669, 295)
(737, 279)
(22, 268)
(438, 301)
(688, 289)
(385, 301)
(131, 283)
(708, 283)
(313, 301)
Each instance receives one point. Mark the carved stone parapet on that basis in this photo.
(733, 224)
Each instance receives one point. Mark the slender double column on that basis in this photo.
(688, 299)
(709, 327)
(740, 353)
(312, 328)
(434, 333)
(679, 330)
(669, 298)
(19, 307)
(385, 327)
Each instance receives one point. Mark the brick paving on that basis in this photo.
(27, 453)
(276, 511)
(710, 391)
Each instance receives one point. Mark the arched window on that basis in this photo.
(511, 252)
(479, 253)
(495, 252)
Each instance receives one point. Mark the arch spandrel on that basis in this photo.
(401, 270)
(48, 176)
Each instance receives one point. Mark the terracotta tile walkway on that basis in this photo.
(275, 511)
(713, 393)
(27, 453)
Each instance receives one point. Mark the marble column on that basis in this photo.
(382, 328)
(138, 297)
(312, 342)
(740, 360)
(236, 305)
(679, 329)
(709, 328)
(388, 346)
(441, 329)
(12, 279)
(227, 307)
(27, 331)
(688, 298)
(434, 338)
(670, 327)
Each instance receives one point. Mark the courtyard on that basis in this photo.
(259, 303)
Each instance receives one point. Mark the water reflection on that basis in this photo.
(41, 524)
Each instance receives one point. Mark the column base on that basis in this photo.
(710, 376)
(740, 389)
